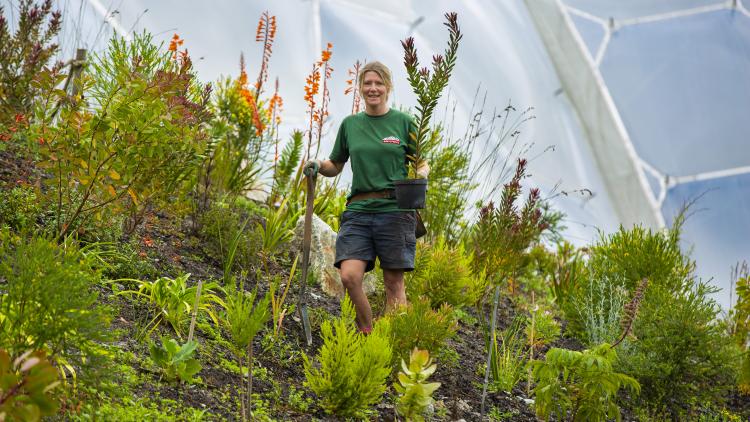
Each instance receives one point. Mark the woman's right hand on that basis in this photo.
(311, 168)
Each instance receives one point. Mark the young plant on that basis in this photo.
(175, 360)
(507, 363)
(25, 385)
(278, 310)
(428, 88)
(415, 394)
(174, 301)
(243, 319)
(353, 367)
(580, 386)
(417, 325)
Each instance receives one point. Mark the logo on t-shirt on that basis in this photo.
(391, 140)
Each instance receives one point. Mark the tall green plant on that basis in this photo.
(450, 186)
(428, 88)
(739, 322)
(243, 318)
(129, 139)
(501, 238)
(353, 367)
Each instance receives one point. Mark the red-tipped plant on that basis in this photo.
(428, 87)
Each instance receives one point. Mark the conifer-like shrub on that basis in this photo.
(417, 325)
(444, 275)
(48, 299)
(351, 369)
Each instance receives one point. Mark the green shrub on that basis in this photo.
(19, 207)
(417, 325)
(598, 306)
(679, 352)
(25, 384)
(579, 386)
(134, 141)
(48, 300)
(353, 367)
(444, 275)
(175, 360)
(415, 394)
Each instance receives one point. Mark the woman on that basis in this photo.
(373, 225)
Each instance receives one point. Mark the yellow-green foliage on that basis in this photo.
(419, 326)
(353, 367)
(444, 275)
(415, 394)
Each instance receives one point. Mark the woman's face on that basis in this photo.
(374, 90)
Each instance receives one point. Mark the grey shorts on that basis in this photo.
(389, 236)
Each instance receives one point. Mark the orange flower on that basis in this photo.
(20, 118)
(174, 44)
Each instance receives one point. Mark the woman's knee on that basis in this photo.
(352, 274)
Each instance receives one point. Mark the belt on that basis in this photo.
(381, 194)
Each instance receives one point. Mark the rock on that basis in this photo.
(463, 406)
(322, 256)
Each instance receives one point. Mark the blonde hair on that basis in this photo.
(382, 71)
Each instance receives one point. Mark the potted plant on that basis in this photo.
(427, 86)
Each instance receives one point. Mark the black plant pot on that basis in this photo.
(411, 193)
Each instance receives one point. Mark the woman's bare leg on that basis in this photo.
(395, 290)
(352, 273)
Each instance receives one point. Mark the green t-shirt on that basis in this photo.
(377, 146)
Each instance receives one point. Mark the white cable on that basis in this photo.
(602, 47)
(709, 175)
(673, 15)
(587, 15)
